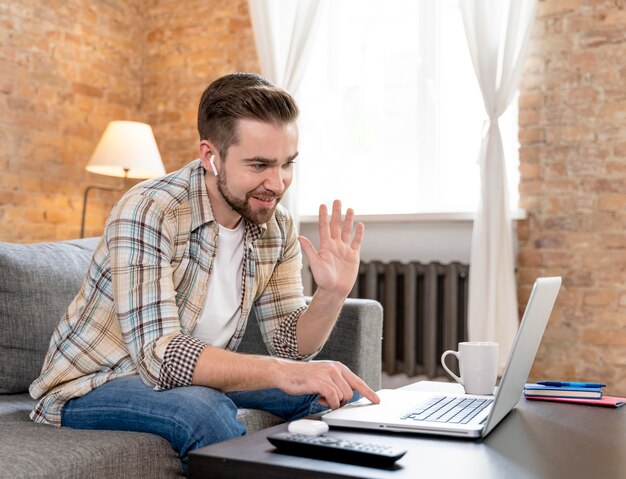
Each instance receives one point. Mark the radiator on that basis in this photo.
(425, 311)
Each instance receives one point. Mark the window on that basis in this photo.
(392, 113)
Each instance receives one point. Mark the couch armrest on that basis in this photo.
(356, 340)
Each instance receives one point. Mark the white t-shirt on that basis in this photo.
(222, 306)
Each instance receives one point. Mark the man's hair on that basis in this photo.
(236, 96)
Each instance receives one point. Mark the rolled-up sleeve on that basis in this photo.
(139, 236)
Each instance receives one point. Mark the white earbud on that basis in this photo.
(212, 162)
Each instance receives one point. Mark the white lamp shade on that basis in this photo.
(127, 145)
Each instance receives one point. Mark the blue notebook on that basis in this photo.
(539, 390)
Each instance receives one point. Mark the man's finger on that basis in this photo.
(358, 236)
(336, 375)
(331, 395)
(348, 224)
(323, 402)
(307, 248)
(323, 223)
(335, 220)
(357, 384)
(347, 393)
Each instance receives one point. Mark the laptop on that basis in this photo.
(459, 415)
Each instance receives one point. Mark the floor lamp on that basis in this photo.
(127, 149)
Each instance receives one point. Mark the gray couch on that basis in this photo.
(37, 282)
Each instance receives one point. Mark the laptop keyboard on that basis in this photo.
(453, 410)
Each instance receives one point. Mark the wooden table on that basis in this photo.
(536, 440)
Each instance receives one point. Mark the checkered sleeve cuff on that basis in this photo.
(179, 361)
(285, 339)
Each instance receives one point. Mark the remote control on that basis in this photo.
(334, 449)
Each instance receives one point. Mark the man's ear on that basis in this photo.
(209, 156)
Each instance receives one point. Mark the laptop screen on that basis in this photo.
(524, 350)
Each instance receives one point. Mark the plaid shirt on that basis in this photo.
(145, 289)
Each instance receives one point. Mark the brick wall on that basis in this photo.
(67, 68)
(573, 185)
(186, 49)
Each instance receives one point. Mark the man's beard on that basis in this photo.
(243, 207)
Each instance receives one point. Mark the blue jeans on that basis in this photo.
(188, 417)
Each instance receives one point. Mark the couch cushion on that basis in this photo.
(255, 420)
(36, 450)
(37, 283)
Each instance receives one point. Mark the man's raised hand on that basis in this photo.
(336, 265)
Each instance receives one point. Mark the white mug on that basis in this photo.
(478, 365)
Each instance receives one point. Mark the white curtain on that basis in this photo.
(284, 32)
(497, 34)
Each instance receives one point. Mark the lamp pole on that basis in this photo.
(99, 187)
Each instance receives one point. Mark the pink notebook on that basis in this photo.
(606, 401)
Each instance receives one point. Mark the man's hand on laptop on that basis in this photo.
(333, 381)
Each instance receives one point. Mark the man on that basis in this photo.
(149, 342)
